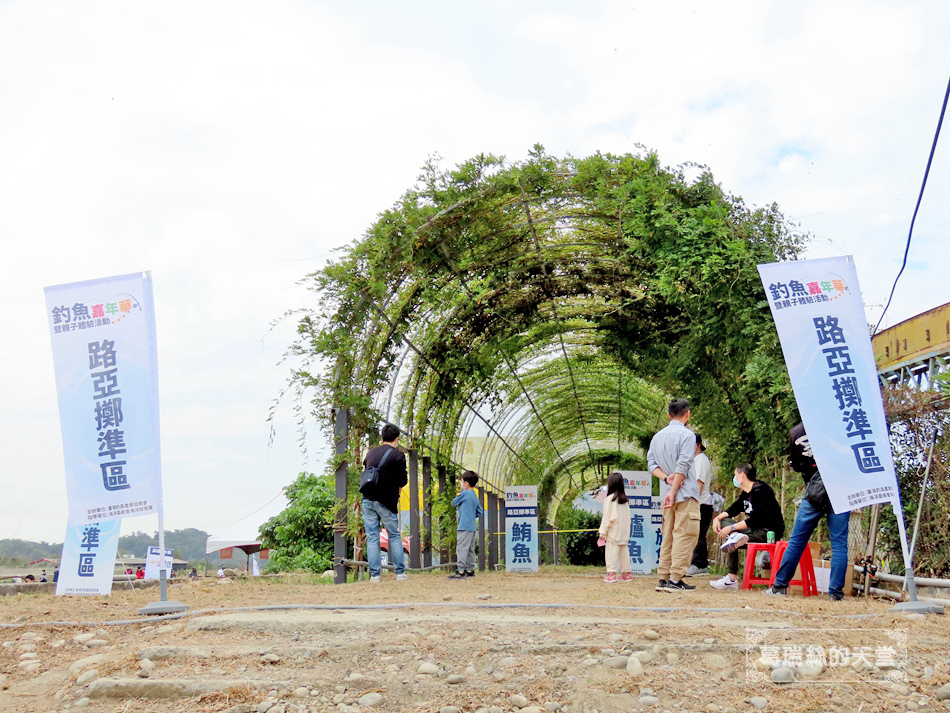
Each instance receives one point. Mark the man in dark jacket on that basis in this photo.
(814, 506)
(381, 503)
(762, 514)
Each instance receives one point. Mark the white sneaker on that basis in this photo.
(734, 542)
(725, 583)
(401, 577)
(374, 578)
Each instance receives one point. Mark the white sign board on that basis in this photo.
(821, 322)
(104, 353)
(153, 562)
(88, 560)
(521, 528)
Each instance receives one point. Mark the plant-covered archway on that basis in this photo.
(554, 304)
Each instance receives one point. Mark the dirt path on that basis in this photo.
(558, 639)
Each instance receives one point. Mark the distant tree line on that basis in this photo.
(188, 544)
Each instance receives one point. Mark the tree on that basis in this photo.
(301, 536)
(562, 301)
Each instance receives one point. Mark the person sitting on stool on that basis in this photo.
(763, 513)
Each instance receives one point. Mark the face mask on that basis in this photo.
(735, 482)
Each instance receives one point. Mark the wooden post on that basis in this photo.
(427, 510)
(502, 547)
(341, 437)
(492, 531)
(481, 531)
(415, 560)
(444, 523)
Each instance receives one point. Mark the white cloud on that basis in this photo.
(229, 147)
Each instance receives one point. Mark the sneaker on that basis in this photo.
(374, 578)
(456, 575)
(734, 542)
(661, 587)
(764, 561)
(672, 586)
(626, 577)
(470, 574)
(780, 591)
(402, 577)
(725, 583)
(836, 597)
(611, 577)
(693, 570)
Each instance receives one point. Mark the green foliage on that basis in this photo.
(189, 543)
(567, 298)
(580, 548)
(301, 537)
(22, 552)
(914, 417)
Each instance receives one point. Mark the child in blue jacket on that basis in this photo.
(469, 510)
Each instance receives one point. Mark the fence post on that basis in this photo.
(492, 531)
(414, 558)
(502, 528)
(444, 520)
(341, 437)
(481, 531)
(427, 510)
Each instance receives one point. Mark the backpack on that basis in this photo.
(369, 478)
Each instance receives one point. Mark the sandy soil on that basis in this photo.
(311, 646)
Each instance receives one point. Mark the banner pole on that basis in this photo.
(913, 605)
(923, 491)
(162, 575)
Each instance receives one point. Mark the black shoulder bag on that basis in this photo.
(816, 494)
(369, 478)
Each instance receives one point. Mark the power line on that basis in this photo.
(920, 197)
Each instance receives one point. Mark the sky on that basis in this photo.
(230, 147)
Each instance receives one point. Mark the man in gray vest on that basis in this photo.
(670, 458)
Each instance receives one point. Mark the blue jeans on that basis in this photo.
(805, 523)
(375, 513)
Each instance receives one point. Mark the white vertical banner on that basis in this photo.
(88, 560)
(521, 528)
(637, 486)
(153, 561)
(105, 358)
(820, 318)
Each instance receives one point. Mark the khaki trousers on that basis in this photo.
(680, 530)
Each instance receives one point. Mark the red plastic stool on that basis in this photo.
(805, 565)
(750, 549)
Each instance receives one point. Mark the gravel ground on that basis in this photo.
(560, 640)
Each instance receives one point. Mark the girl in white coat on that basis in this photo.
(615, 530)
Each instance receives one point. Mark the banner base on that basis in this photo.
(163, 607)
(917, 608)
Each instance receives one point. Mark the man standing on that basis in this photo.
(670, 458)
(700, 563)
(814, 506)
(381, 502)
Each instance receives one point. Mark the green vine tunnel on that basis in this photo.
(554, 305)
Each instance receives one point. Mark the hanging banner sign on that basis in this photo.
(104, 353)
(637, 486)
(88, 560)
(521, 528)
(817, 309)
(153, 562)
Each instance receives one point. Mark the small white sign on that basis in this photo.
(153, 562)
